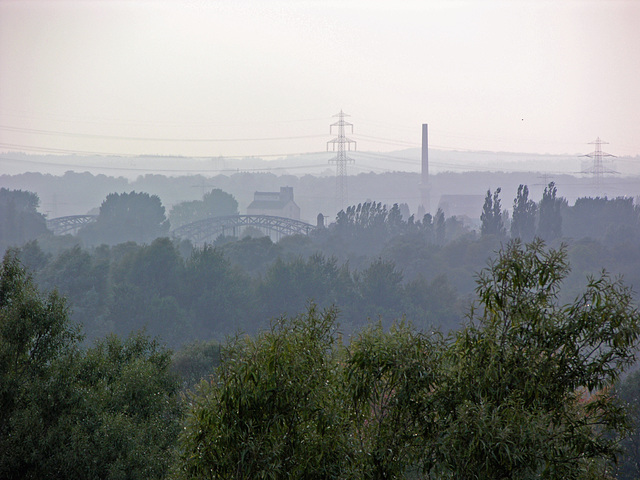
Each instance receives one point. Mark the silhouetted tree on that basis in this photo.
(379, 289)
(523, 221)
(20, 220)
(215, 203)
(395, 221)
(139, 217)
(218, 296)
(612, 220)
(440, 227)
(491, 216)
(146, 284)
(550, 221)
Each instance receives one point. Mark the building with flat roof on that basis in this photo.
(278, 204)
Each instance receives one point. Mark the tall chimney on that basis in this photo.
(425, 188)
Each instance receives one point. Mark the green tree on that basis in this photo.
(127, 424)
(432, 303)
(628, 392)
(82, 278)
(217, 295)
(253, 255)
(32, 256)
(387, 375)
(157, 268)
(440, 227)
(523, 391)
(145, 292)
(379, 289)
(20, 220)
(137, 217)
(523, 222)
(195, 362)
(215, 203)
(611, 220)
(527, 393)
(108, 412)
(287, 287)
(550, 221)
(491, 217)
(273, 409)
(37, 348)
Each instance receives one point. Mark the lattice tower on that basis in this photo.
(341, 144)
(597, 169)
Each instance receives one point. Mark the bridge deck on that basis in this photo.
(209, 229)
(206, 230)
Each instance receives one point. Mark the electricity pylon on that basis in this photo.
(597, 169)
(343, 145)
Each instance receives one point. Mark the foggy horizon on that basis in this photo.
(198, 281)
(316, 163)
(254, 79)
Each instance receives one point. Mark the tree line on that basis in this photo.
(129, 287)
(528, 387)
(372, 266)
(371, 263)
(612, 221)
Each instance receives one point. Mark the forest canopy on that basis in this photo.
(417, 351)
(522, 391)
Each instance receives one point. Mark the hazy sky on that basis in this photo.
(209, 78)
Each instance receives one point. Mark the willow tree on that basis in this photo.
(528, 382)
(273, 409)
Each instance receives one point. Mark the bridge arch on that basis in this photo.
(207, 230)
(69, 224)
(203, 231)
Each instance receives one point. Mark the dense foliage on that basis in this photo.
(524, 386)
(215, 203)
(628, 392)
(549, 214)
(522, 391)
(110, 411)
(531, 378)
(133, 216)
(128, 287)
(523, 222)
(491, 217)
(20, 220)
(273, 410)
(372, 263)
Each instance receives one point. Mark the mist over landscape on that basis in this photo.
(319, 240)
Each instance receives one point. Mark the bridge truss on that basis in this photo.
(208, 230)
(70, 224)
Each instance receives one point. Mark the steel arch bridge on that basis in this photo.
(70, 224)
(209, 229)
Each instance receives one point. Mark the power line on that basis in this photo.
(388, 158)
(114, 154)
(387, 140)
(140, 169)
(149, 139)
(94, 120)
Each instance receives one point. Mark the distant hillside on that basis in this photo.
(78, 193)
(317, 164)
